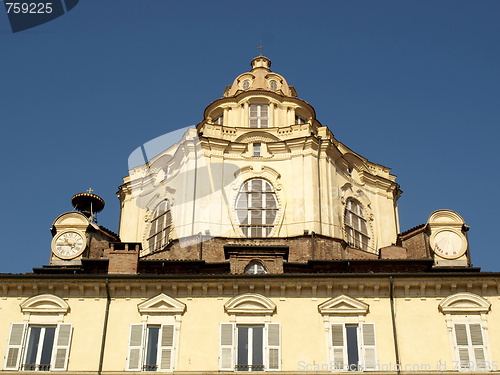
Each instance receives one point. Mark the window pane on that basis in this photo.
(352, 345)
(152, 348)
(242, 217)
(48, 343)
(270, 201)
(242, 346)
(255, 200)
(256, 232)
(33, 346)
(257, 348)
(270, 217)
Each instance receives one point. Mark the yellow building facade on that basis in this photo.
(254, 242)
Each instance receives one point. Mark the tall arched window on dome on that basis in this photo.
(356, 229)
(160, 226)
(259, 115)
(256, 208)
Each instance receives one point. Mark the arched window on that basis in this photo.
(356, 229)
(256, 208)
(255, 268)
(159, 230)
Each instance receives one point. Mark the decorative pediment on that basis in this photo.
(161, 304)
(250, 304)
(45, 304)
(461, 303)
(343, 305)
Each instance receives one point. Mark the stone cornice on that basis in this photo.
(425, 285)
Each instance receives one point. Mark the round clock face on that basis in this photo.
(449, 244)
(68, 244)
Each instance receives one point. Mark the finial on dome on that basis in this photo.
(260, 48)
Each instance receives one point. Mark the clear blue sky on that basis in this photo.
(413, 85)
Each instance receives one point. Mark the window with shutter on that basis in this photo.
(248, 347)
(151, 347)
(43, 347)
(470, 346)
(353, 347)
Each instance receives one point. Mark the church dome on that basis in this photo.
(260, 78)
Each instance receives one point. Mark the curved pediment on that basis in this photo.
(461, 303)
(253, 304)
(161, 304)
(343, 305)
(257, 136)
(72, 220)
(45, 304)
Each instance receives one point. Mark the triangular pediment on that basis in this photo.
(343, 305)
(250, 304)
(45, 304)
(461, 303)
(161, 304)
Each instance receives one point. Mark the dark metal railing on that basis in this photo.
(249, 368)
(35, 367)
(149, 367)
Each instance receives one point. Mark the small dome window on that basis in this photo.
(246, 84)
(255, 268)
(273, 85)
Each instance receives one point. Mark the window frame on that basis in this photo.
(471, 348)
(339, 354)
(255, 265)
(261, 120)
(161, 237)
(354, 233)
(59, 352)
(138, 348)
(250, 209)
(271, 346)
(257, 149)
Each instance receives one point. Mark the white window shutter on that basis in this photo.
(368, 346)
(274, 346)
(62, 341)
(478, 347)
(462, 344)
(135, 344)
(14, 346)
(226, 355)
(338, 348)
(166, 348)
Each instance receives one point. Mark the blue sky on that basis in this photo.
(413, 85)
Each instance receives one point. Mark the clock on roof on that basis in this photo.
(69, 244)
(447, 239)
(449, 244)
